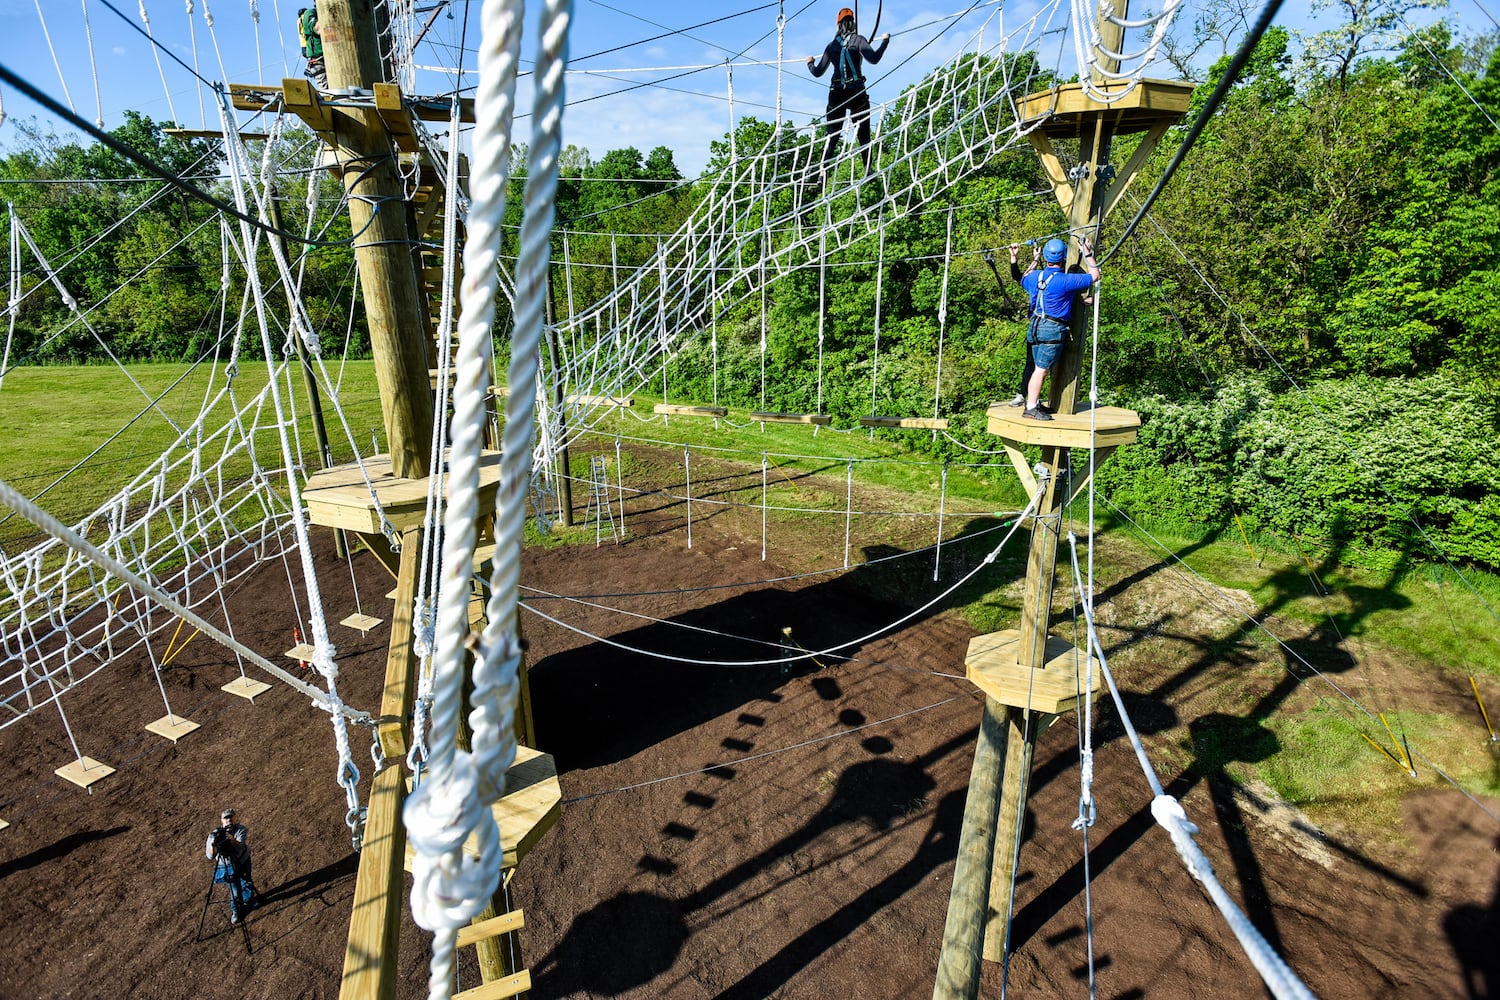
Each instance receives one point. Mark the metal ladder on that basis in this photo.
(599, 504)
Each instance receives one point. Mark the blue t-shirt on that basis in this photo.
(1057, 296)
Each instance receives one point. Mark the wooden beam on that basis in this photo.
(1096, 459)
(961, 962)
(1061, 186)
(679, 410)
(375, 926)
(816, 419)
(924, 423)
(392, 111)
(1022, 467)
(1133, 165)
(396, 698)
(302, 99)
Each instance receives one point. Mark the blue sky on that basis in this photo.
(615, 46)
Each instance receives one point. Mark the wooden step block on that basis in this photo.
(925, 423)
(817, 419)
(678, 410)
(246, 688)
(493, 927)
(302, 652)
(509, 986)
(4, 823)
(1055, 687)
(84, 771)
(171, 727)
(362, 622)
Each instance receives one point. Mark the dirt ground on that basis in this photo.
(732, 831)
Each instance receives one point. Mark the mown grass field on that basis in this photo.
(74, 436)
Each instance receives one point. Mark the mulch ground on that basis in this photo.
(728, 832)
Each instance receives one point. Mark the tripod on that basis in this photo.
(224, 866)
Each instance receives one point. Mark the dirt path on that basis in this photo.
(729, 831)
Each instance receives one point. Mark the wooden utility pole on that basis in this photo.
(382, 243)
(1028, 676)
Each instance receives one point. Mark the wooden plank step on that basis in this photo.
(925, 423)
(493, 927)
(679, 410)
(817, 419)
(510, 986)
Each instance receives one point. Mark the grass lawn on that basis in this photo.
(73, 436)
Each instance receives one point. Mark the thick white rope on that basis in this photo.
(448, 888)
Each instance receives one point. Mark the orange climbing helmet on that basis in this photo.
(843, 13)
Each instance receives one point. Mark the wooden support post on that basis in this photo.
(962, 958)
(1020, 749)
(370, 957)
(382, 244)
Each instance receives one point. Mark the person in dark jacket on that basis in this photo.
(847, 54)
(228, 846)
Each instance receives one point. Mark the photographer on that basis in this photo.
(228, 846)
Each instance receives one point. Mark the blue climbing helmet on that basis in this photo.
(1055, 252)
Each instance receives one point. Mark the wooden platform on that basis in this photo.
(530, 806)
(679, 410)
(244, 687)
(339, 498)
(1056, 687)
(1069, 110)
(361, 622)
(171, 727)
(816, 419)
(302, 653)
(924, 423)
(84, 771)
(1112, 427)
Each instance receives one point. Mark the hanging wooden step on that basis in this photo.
(505, 923)
(923, 423)
(816, 419)
(510, 986)
(682, 410)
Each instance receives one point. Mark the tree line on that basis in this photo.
(1306, 318)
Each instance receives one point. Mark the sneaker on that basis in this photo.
(1020, 400)
(1036, 413)
(1044, 406)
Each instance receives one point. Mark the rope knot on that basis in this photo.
(449, 888)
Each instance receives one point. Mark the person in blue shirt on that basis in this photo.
(846, 91)
(1052, 290)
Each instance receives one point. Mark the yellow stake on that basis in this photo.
(1243, 535)
(1404, 758)
(1382, 749)
(1483, 714)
